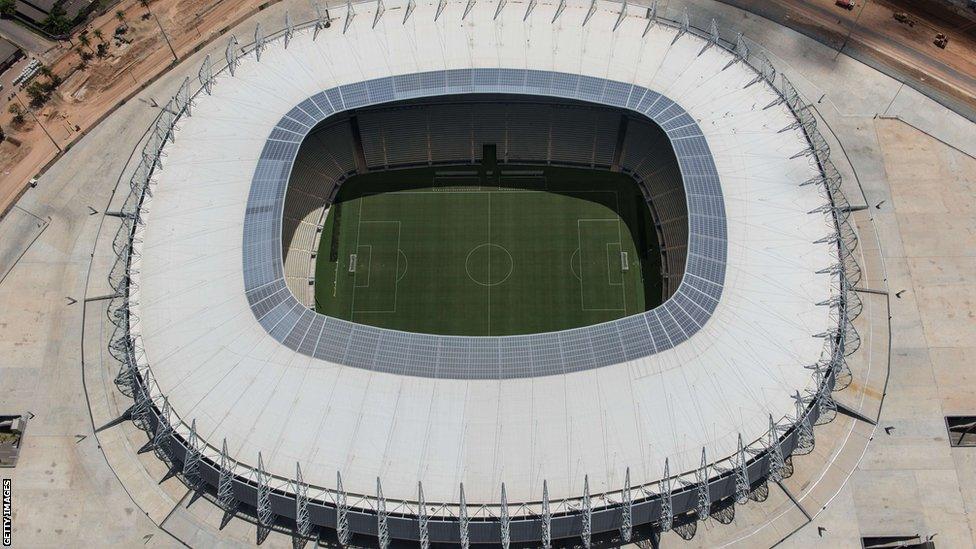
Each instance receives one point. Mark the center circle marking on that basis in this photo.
(489, 264)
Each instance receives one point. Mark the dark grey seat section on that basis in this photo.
(378, 349)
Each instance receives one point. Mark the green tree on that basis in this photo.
(145, 4)
(85, 41)
(57, 21)
(99, 34)
(120, 15)
(38, 93)
(8, 8)
(18, 113)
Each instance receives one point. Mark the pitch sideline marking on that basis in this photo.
(620, 242)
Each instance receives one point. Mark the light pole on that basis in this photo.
(36, 119)
(851, 29)
(166, 38)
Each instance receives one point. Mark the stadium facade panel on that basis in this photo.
(604, 452)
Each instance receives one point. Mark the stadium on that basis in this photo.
(491, 273)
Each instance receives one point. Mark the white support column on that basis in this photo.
(741, 49)
(784, 95)
(342, 513)
(264, 494)
(776, 461)
(231, 54)
(441, 4)
(805, 438)
(463, 520)
(627, 511)
(704, 504)
(506, 535)
(408, 11)
(303, 521)
(467, 9)
(683, 24)
(163, 430)
(651, 17)
(764, 69)
(589, 12)
(206, 75)
(350, 14)
(380, 10)
(529, 8)
(741, 473)
(225, 485)
(191, 461)
(165, 123)
(422, 517)
(183, 97)
(258, 41)
(289, 30)
(498, 9)
(621, 15)
(546, 517)
(559, 10)
(141, 402)
(713, 37)
(382, 531)
(322, 21)
(587, 533)
(824, 399)
(667, 506)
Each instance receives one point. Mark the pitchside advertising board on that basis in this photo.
(7, 526)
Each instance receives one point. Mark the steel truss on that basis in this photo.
(303, 521)
(651, 17)
(178, 442)
(231, 54)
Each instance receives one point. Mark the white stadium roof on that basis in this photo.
(218, 365)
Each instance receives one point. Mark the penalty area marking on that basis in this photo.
(369, 267)
(608, 263)
(404, 256)
(572, 266)
(354, 264)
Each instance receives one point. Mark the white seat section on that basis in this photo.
(317, 170)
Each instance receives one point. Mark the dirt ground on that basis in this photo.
(871, 30)
(86, 95)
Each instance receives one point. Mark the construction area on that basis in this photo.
(104, 65)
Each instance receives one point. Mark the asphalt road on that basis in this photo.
(27, 40)
(943, 75)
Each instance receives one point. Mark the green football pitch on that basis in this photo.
(455, 251)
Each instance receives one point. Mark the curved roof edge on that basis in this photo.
(484, 357)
